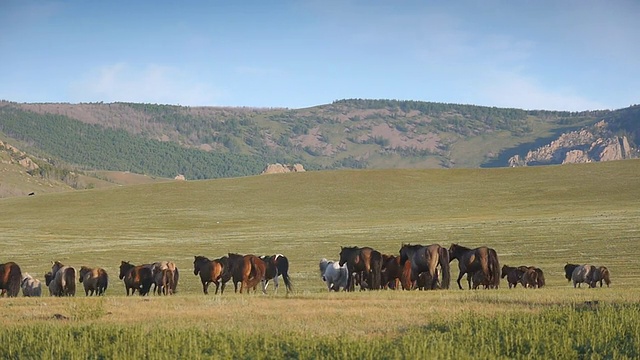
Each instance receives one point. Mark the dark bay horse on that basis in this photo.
(479, 259)
(210, 271)
(248, 270)
(366, 261)
(424, 263)
(10, 278)
(513, 275)
(277, 265)
(136, 278)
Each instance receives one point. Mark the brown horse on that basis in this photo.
(210, 271)
(95, 280)
(541, 281)
(248, 270)
(512, 274)
(479, 259)
(529, 277)
(425, 261)
(64, 280)
(10, 279)
(157, 270)
(600, 274)
(391, 271)
(362, 260)
(405, 276)
(167, 280)
(136, 278)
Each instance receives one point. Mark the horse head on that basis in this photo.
(198, 262)
(48, 277)
(347, 254)
(125, 266)
(57, 265)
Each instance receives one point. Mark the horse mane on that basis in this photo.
(459, 247)
(350, 248)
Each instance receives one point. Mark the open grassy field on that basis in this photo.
(542, 216)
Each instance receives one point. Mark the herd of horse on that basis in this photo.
(415, 267)
(428, 267)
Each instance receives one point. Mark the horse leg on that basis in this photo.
(217, 286)
(205, 287)
(276, 284)
(460, 277)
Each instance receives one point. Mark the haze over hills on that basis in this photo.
(211, 142)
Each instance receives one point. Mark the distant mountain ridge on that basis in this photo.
(210, 142)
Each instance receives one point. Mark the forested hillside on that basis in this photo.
(211, 142)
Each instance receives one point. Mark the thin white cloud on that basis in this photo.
(149, 84)
(513, 90)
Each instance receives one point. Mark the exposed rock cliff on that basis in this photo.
(280, 168)
(596, 143)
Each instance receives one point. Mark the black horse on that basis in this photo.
(479, 259)
(277, 265)
(365, 261)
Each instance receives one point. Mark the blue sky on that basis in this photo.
(554, 55)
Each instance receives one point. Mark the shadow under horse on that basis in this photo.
(425, 261)
(470, 261)
(363, 260)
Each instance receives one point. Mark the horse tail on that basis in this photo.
(606, 276)
(70, 278)
(445, 267)
(494, 268)
(376, 270)
(104, 281)
(283, 268)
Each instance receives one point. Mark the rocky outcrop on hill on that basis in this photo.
(17, 157)
(280, 168)
(596, 143)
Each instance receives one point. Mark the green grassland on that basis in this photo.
(542, 216)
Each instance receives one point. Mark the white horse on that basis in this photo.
(334, 275)
(30, 286)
